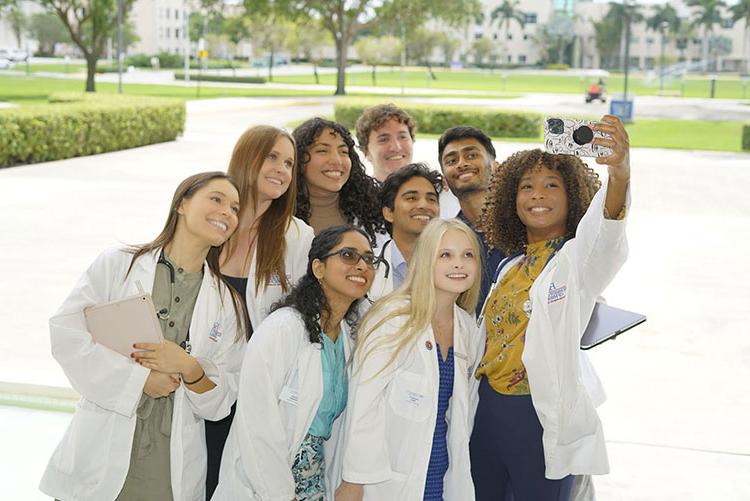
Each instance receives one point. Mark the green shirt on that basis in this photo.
(149, 473)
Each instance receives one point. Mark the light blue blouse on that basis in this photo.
(335, 385)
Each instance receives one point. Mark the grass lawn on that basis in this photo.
(726, 87)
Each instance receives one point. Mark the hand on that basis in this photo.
(163, 357)
(349, 492)
(618, 163)
(159, 384)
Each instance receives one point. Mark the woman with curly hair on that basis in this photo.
(293, 385)
(333, 187)
(564, 232)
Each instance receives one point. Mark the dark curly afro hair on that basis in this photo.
(358, 198)
(503, 228)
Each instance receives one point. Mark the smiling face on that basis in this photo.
(466, 166)
(210, 215)
(415, 205)
(389, 148)
(329, 165)
(276, 172)
(456, 265)
(542, 204)
(344, 282)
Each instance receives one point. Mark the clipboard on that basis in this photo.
(120, 323)
(608, 322)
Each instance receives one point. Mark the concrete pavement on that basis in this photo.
(678, 408)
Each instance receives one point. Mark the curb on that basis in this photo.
(38, 397)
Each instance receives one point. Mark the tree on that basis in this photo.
(311, 38)
(607, 40)
(665, 21)
(47, 29)
(90, 23)
(481, 49)
(419, 46)
(11, 11)
(620, 14)
(270, 35)
(378, 50)
(741, 11)
(706, 13)
(555, 36)
(506, 13)
(344, 19)
(448, 46)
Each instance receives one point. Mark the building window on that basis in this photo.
(696, 41)
(176, 14)
(530, 18)
(477, 36)
(510, 36)
(635, 62)
(695, 60)
(727, 23)
(649, 63)
(650, 41)
(177, 33)
(522, 58)
(525, 36)
(494, 37)
(634, 39)
(167, 32)
(510, 59)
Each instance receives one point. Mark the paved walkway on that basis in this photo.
(678, 408)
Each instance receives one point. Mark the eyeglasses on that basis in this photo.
(351, 257)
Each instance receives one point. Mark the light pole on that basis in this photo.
(629, 5)
(186, 39)
(664, 26)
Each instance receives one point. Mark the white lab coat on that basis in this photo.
(565, 389)
(93, 458)
(281, 386)
(299, 237)
(391, 417)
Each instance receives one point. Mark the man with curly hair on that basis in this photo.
(385, 134)
(467, 159)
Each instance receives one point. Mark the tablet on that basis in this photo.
(118, 324)
(608, 322)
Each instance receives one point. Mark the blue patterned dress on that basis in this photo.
(433, 489)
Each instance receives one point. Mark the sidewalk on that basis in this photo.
(678, 408)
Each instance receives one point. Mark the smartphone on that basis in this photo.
(571, 136)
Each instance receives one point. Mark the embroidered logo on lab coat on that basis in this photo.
(215, 333)
(556, 293)
(274, 279)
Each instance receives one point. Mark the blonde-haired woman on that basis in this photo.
(268, 252)
(417, 350)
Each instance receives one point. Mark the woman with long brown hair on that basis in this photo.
(268, 252)
(138, 429)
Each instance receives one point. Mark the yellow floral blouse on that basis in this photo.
(506, 318)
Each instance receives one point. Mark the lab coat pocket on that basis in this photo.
(393, 488)
(578, 420)
(410, 397)
(86, 442)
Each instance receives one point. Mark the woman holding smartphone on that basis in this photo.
(268, 253)
(293, 386)
(411, 393)
(564, 232)
(138, 429)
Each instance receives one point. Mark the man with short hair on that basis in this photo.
(467, 159)
(385, 134)
(409, 199)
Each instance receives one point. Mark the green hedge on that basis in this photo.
(435, 119)
(746, 137)
(180, 75)
(86, 124)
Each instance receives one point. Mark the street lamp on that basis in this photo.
(629, 7)
(664, 26)
(119, 46)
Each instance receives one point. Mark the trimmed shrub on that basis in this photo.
(75, 125)
(435, 119)
(746, 137)
(557, 66)
(180, 75)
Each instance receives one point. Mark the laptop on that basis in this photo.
(608, 322)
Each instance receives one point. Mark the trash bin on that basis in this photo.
(619, 107)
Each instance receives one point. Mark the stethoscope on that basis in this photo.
(164, 313)
(383, 261)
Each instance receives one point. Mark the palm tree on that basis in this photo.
(620, 14)
(706, 14)
(739, 11)
(664, 20)
(505, 13)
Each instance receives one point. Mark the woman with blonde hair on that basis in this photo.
(268, 252)
(416, 353)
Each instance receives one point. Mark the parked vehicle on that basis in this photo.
(16, 55)
(5, 63)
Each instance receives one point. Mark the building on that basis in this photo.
(161, 26)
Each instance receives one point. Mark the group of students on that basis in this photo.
(328, 336)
